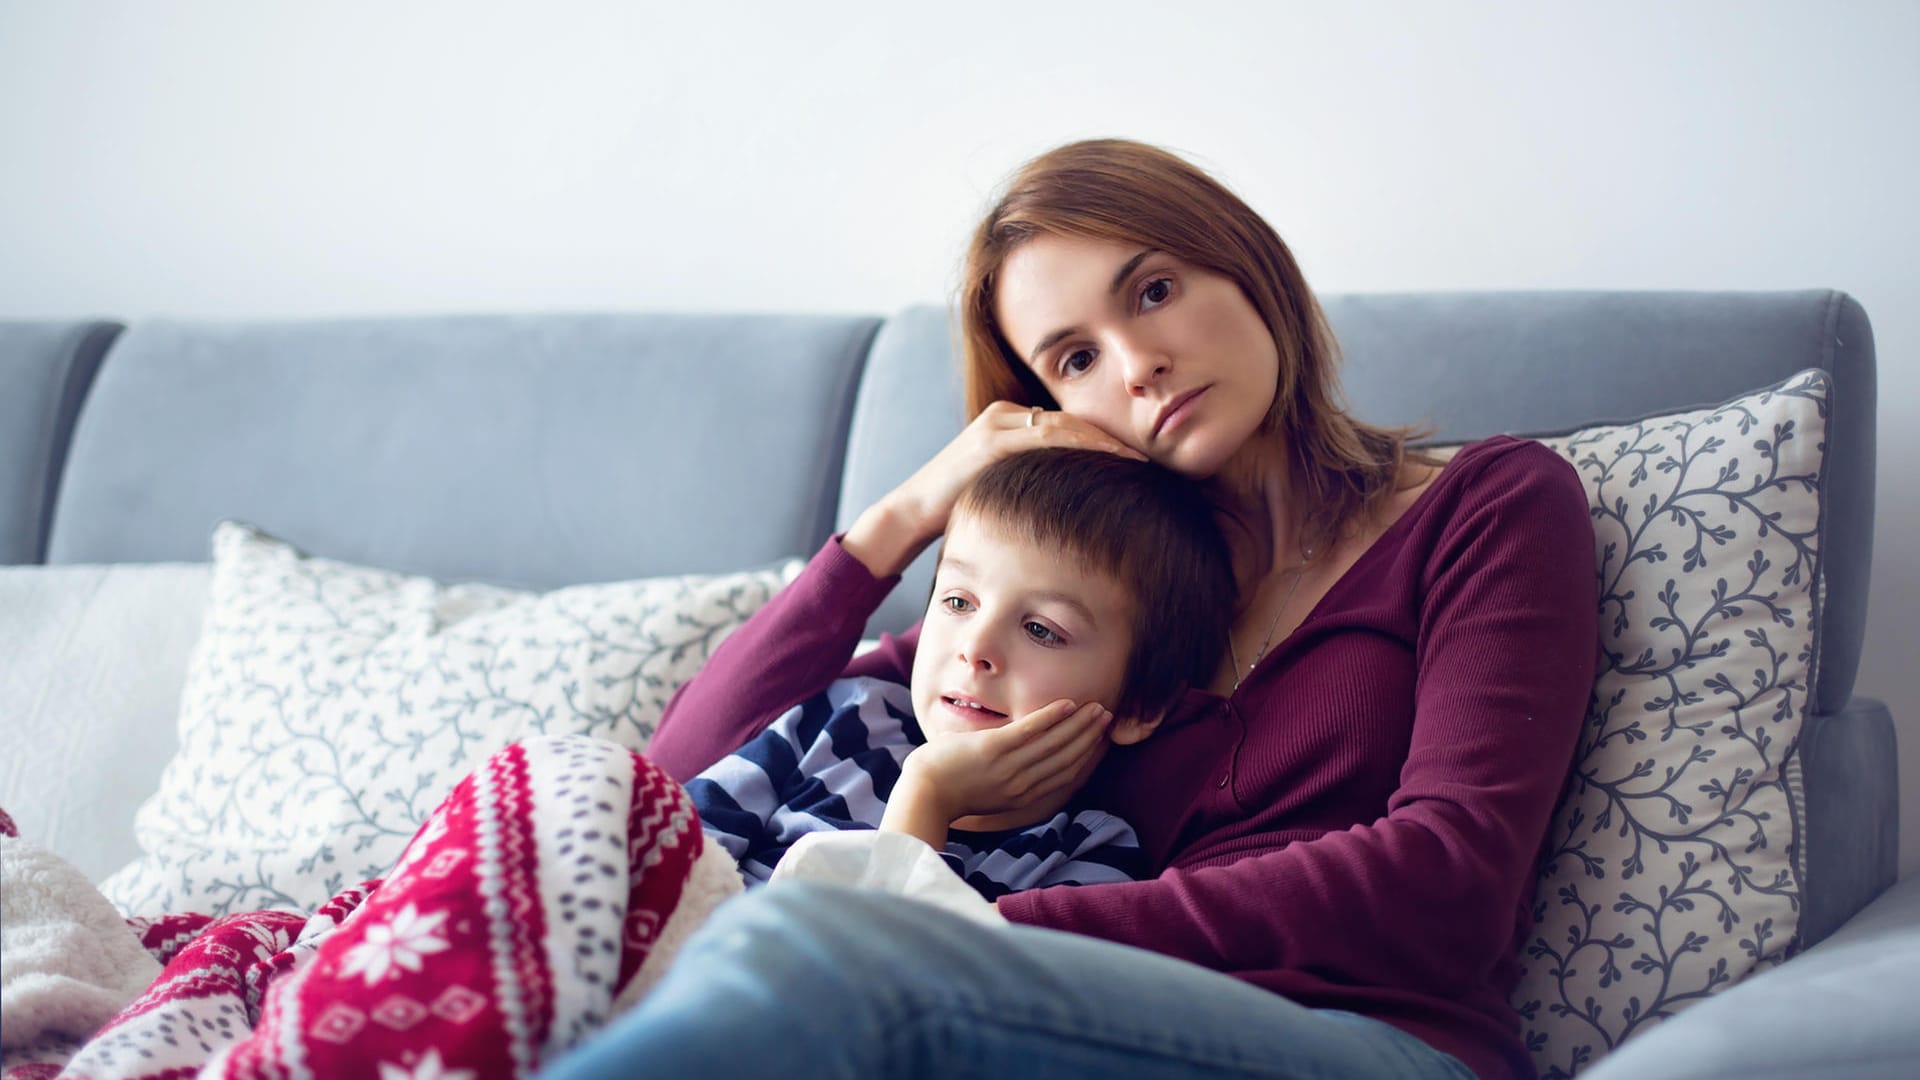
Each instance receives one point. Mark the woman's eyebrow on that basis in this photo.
(1126, 269)
(1119, 279)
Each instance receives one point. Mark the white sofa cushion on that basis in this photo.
(89, 692)
(329, 707)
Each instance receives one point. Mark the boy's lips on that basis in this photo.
(970, 708)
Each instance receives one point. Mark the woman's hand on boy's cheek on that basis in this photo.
(1024, 762)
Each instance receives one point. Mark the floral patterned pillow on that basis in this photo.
(1673, 866)
(328, 708)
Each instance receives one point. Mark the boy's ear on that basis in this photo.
(1128, 730)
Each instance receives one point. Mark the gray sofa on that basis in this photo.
(547, 450)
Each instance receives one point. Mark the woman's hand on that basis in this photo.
(1029, 762)
(888, 535)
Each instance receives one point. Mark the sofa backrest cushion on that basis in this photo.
(908, 408)
(529, 451)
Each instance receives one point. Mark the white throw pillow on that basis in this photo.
(1674, 864)
(328, 708)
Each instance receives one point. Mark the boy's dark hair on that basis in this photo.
(1144, 525)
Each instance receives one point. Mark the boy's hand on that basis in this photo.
(1026, 762)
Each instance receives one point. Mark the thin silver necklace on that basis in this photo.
(1240, 676)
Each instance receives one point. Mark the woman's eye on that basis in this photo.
(1076, 363)
(1157, 292)
(1043, 634)
(956, 604)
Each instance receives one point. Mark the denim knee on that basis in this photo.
(766, 959)
(794, 921)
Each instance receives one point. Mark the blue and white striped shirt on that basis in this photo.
(829, 763)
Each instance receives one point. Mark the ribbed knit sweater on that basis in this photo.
(1357, 826)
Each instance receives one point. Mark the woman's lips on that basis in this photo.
(1180, 410)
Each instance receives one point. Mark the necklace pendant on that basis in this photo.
(1298, 573)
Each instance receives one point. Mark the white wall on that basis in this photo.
(243, 159)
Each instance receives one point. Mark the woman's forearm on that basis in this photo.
(787, 652)
(887, 536)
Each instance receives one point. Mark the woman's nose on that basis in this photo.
(1143, 366)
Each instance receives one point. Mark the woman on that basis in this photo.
(1346, 820)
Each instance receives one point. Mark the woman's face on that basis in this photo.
(1166, 357)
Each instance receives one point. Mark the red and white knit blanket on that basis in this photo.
(546, 893)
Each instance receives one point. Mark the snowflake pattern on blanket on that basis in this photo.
(503, 936)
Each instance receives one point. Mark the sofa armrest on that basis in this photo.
(1852, 829)
(45, 370)
(1842, 1009)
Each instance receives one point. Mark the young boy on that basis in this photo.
(1077, 594)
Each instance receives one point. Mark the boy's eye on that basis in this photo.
(956, 603)
(1042, 633)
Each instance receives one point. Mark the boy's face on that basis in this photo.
(1011, 628)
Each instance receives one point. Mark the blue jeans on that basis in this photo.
(806, 980)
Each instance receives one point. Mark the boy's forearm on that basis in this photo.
(913, 810)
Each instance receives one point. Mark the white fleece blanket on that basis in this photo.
(68, 961)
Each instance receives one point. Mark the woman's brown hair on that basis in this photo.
(1128, 192)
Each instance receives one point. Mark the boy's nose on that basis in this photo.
(978, 652)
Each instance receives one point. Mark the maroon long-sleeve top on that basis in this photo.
(1357, 826)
